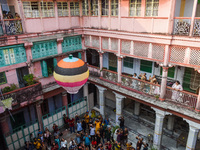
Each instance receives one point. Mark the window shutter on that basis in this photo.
(44, 69)
(79, 55)
(54, 62)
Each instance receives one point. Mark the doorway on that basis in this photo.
(21, 72)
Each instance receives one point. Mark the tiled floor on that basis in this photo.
(143, 129)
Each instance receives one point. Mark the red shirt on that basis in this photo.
(71, 122)
(94, 142)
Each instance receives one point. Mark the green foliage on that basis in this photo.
(13, 87)
(50, 71)
(153, 148)
(6, 89)
(157, 96)
(29, 79)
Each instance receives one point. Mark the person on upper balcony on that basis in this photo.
(176, 88)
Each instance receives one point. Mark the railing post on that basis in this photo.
(59, 45)
(39, 114)
(193, 17)
(171, 17)
(197, 109)
(101, 62)
(119, 69)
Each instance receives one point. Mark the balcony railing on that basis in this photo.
(94, 70)
(26, 94)
(182, 98)
(13, 26)
(196, 31)
(182, 25)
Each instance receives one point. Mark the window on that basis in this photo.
(74, 8)
(146, 66)
(135, 7)
(31, 9)
(47, 9)
(85, 7)
(114, 7)
(62, 9)
(171, 72)
(152, 7)
(94, 7)
(105, 8)
(128, 62)
(3, 78)
(48, 66)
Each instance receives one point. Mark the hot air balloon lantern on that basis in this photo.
(71, 73)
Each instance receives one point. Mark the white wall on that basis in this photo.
(105, 60)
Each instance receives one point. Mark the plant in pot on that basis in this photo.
(6, 89)
(29, 79)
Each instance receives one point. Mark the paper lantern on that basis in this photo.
(71, 73)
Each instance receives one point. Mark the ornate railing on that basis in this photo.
(29, 94)
(13, 26)
(140, 85)
(182, 25)
(110, 75)
(95, 71)
(182, 98)
(196, 30)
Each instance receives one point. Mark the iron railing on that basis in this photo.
(13, 26)
(182, 26)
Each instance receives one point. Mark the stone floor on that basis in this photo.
(143, 129)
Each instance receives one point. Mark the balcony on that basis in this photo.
(23, 96)
(181, 98)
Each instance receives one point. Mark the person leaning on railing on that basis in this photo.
(18, 24)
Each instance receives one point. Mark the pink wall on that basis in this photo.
(86, 21)
(104, 22)
(75, 22)
(33, 25)
(47, 80)
(64, 22)
(94, 22)
(37, 70)
(49, 24)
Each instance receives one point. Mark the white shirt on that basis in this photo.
(63, 143)
(92, 131)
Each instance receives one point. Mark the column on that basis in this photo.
(171, 17)
(21, 14)
(81, 15)
(4, 124)
(83, 55)
(192, 136)
(109, 14)
(101, 100)
(101, 62)
(119, 69)
(59, 45)
(65, 101)
(99, 13)
(39, 114)
(119, 100)
(170, 123)
(193, 17)
(137, 108)
(197, 109)
(29, 56)
(119, 15)
(164, 73)
(3, 24)
(56, 15)
(160, 115)
(85, 94)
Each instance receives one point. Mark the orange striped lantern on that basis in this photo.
(71, 73)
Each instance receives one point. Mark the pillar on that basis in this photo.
(56, 15)
(157, 140)
(39, 114)
(101, 62)
(99, 13)
(170, 123)
(65, 101)
(85, 94)
(192, 136)
(193, 17)
(119, 15)
(109, 14)
(59, 45)
(119, 100)
(137, 108)
(29, 56)
(4, 124)
(119, 69)
(3, 24)
(101, 100)
(171, 16)
(21, 14)
(164, 73)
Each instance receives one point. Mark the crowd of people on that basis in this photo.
(92, 133)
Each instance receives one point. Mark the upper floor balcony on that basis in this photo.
(20, 97)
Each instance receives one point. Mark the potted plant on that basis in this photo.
(29, 79)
